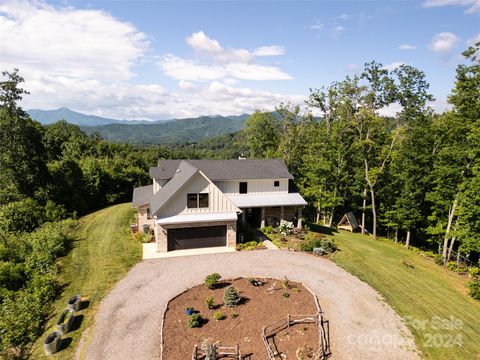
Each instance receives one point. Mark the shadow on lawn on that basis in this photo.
(322, 229)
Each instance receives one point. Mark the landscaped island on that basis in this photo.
(262, 303)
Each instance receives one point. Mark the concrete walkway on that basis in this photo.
(362, 325)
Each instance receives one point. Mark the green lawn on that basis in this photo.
(103, 251)
(420, 293)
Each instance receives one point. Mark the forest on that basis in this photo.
(414, 177)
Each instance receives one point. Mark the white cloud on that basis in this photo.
(390, 110)
(444, 42)
(273, 50)
(407, 47)
(201, 42)
(343, 17)
(85, 60)
(182, 69)
(186, 85)
(222, 63)
(394, 65)
(68, 42)
(318, 26)
(338, 30)
(473, 6)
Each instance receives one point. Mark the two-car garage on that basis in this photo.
(196, 237)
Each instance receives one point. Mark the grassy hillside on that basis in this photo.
(422, 294)
(103, 251)
(183, 130)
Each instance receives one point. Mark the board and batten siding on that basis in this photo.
(255, 186)
(217, 201)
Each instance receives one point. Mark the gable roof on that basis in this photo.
(184, 172)
(142, 195)
(226, 169)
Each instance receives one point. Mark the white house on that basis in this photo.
(197, 203)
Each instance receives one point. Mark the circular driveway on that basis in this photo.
(362, 325)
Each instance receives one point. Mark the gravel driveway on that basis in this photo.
(362, 325)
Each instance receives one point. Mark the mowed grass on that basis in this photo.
(102, 253)
(422, 294)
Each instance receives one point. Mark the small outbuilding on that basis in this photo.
(349, 222)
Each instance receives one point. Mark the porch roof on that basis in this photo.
(197, 218)
(267, 200)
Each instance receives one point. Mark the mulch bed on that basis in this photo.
(259, 309)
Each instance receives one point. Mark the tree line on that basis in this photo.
(414, 176)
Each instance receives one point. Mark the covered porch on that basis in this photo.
(260, 210)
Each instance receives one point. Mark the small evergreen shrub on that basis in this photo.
(231, 297)
(195, 320)
(211, 280)
(474, 288)
(286, 295)
(209, 302)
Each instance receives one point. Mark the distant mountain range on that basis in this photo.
(145, 132)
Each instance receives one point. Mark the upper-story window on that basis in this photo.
(243, 188)
(195, 200)
(276, 183)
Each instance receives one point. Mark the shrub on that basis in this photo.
(210, 350)
(452, 265)
(310, 243)
(438, 259)
(267, 230)
(474, 288)
(233, 315)
(231, 297)
(211, 280)
(285, 227)
(218, 315)
(286, 295)
(195, 320)
(209, 302)
(473, 271)
(251, 245)
(286, 283)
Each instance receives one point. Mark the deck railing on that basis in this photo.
(224, 351)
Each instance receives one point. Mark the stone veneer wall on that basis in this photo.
(143, 219)
(162, 240)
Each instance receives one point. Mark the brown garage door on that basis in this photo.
(197, 237)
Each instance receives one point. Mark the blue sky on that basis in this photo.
(164, 59)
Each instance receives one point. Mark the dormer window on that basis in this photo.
(195, 200)
(243, 188)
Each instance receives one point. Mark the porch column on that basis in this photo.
(282, 213)
(262, 224)
(299, 221)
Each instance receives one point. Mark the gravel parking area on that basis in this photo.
(362, 324)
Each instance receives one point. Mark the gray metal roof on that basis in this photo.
(184, 173)
(227, 169)
(198, 217)
(142, 195)
(262, 200)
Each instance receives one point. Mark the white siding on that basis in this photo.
(255, 186)
(217, 201)
(157, 184)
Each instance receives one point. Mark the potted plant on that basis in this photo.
(190, 310)
(65, 321)
(74, 303)
(52, 342)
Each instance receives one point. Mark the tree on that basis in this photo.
(22, 154)
(262, 135)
